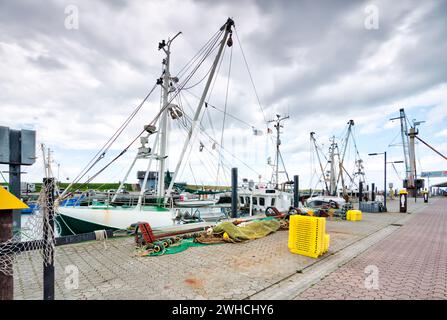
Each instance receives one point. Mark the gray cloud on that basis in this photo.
(47, 63)
(316, 62)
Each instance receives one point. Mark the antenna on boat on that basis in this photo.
(278, 156)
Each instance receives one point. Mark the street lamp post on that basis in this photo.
(384, 183)
(384, 177)
(392, 162)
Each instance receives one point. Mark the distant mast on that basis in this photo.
(278, 157)
(332, 175)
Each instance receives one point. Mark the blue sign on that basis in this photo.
(434, 174)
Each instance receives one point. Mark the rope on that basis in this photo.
(253, 83)
(249, 73)
(101, 153)
(4, 178)
(211, 139)
(234, 156)
(195, 57)
(395, 170)
(222, 111)
(101, 235)
(211, 48)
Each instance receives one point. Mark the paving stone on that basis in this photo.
(408, 260)
(227, 271)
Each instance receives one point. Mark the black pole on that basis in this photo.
(384, 187)
(296, 192)
(373, 192)
(48, 237)
(6, 280)
(360, 191)
(15, 158)
(233, 192)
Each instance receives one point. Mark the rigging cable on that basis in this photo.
(217, 144)
(222, 111)
(205, 148)
(253, 84)
(225, 112)
(251, 78)
(395, 170)
(152, 122)
(102, 152)
(211, 92)
(196, 56)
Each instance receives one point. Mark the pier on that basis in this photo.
(247, 153)
(257, 269)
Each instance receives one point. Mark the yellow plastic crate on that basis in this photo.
(306, 235)
(354, 215)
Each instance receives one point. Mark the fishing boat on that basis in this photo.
(339, 184)
(166, 210)
(194, 203)
(259, 200)
(76, 220)
(80, 219)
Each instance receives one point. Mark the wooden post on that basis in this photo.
(6, 280)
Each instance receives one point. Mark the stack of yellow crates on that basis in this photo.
(307, 236)
(353, 215)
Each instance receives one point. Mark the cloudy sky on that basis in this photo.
(74, 70)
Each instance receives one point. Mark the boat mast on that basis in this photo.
(278, 127)
(319, 160)
(341, 163)
(227, 26)
(166, 89)
(332, 178)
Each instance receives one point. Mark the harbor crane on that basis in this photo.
(408, 142)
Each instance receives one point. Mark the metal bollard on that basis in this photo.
(403, 196)
(425, 193)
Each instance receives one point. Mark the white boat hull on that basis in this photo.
(88, 218)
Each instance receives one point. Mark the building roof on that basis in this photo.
(440, 185)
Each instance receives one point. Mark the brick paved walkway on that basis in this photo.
(411, 262)
(227, 271)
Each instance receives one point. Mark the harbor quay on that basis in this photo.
(262, 268)
(245, 155)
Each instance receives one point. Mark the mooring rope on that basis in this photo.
(101, 235)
